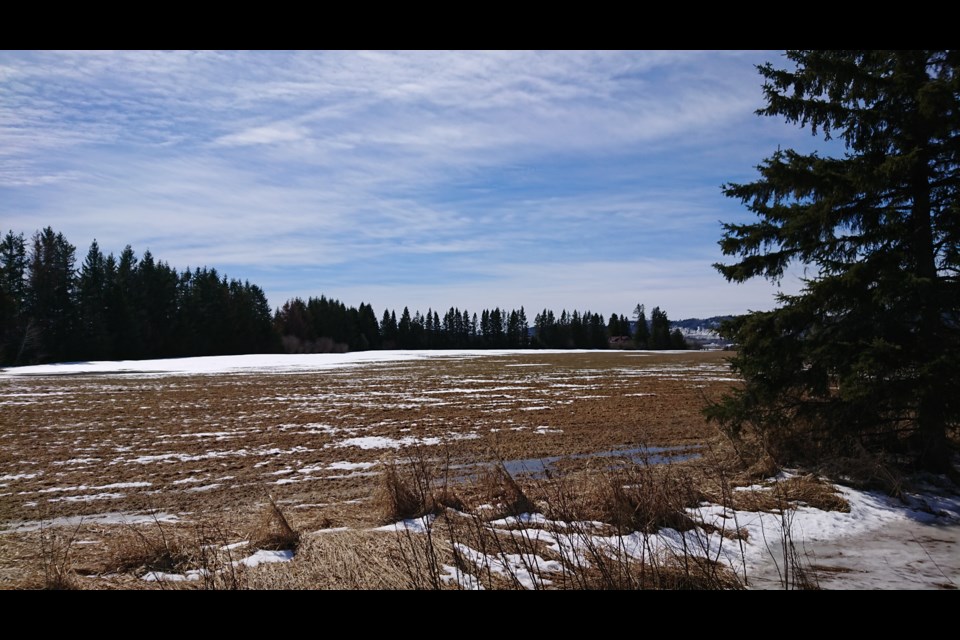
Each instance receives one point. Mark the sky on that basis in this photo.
(561, 180)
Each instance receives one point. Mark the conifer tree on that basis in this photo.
(865, 356)
(13, 292)
(659, 329)
(50, 301)
(95, 342)
(641, 334)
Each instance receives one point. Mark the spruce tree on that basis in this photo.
(641, 334)
(677, 341)
(659, 330)
(865, 355)
(95, 343)
(13, 292)
(405, 330)
(50, 296)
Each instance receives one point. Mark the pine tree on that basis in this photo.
(126, 322)
(369, 330)
(95, 342)
(13, 293)
(613, 326)
(50, 301)
(641, 335)
(158, 282)
(866, 355)
(677, 341)
(524, 328)
(659, 329)
(599, 338)
(388, 330)
(405, 330)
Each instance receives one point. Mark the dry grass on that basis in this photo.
(412, 489)
(57, 572)
(644, 498)
(450, 545)
(207, 445)
(670, 573)
(140, 550)
(492, 553)
(496, 485)
(469, 548)
(340, 560)
(774, 496)
(273, 531)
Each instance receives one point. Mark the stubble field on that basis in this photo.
(104, 451)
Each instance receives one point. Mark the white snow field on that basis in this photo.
(273, 362)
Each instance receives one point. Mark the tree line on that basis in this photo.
(117, 308)
(125, 307)
(324, 325)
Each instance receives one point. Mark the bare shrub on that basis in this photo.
(57, 573)
(792, 565)
(214, 556)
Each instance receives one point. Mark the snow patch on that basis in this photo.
(264, 557)
(383, 442)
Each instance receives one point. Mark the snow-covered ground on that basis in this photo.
(274, 362)
(881, 543)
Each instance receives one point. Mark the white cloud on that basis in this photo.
(321, 164)
(264, 135)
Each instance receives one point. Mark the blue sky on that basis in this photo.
(588, 180)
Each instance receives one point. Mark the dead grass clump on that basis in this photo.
(693, 574)
(509, 498)
(345, 560)
(813, 492)
(563, 498)
(411, 490)
(868, 470)
(141, 551)
(666, 573)
(273, 532)
(774, 496)
(643, 498)
(763, 467)
(398, 498)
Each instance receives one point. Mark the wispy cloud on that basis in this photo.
(395, 173)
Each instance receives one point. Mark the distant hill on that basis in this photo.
(702, 324)
(701, 333)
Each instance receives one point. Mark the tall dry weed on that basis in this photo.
(57, 572)
(273, 531)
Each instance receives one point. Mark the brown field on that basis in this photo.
(93, 453)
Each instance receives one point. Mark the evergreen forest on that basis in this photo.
(126, 307)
